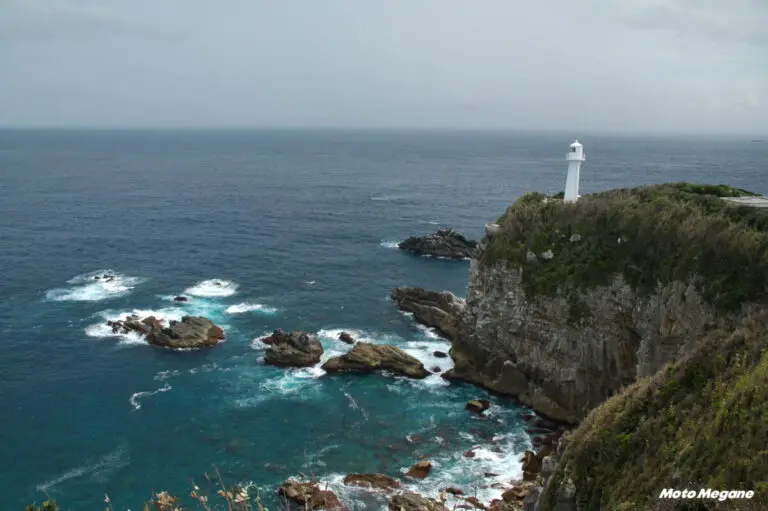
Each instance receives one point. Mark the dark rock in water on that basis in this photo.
(490, 474)
(181, 299)
(476, 504)
(420, 470)
(366, 358)
(380, 481)
(478, 405)
(190, 332)
(445, 243)
(439, 310)
(452, 491)
(294, 349)
(309, 496)
(470, 453)
(440, 354)
(414, 502)
(436, 369)
(345, 337)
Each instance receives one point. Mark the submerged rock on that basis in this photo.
(478, 405)
(379, 481)
(190, 332)
(445, 243)
(292, 349)
(366, 358)
(181, 299)
(442, 311)
(420, 470)
(414, 502)
(309, 496)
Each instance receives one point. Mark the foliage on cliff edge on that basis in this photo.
(650, 235)
(699, 423)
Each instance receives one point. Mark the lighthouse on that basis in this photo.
(575, 158)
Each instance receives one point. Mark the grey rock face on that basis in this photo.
(529, 347)
(294, 349)
(442, 311)
(444, 243)
(191, 332)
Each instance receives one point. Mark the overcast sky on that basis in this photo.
(596, 65)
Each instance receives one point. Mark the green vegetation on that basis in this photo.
(650, 235)
(700, 423)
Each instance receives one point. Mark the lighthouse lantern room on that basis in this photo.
(575, 158)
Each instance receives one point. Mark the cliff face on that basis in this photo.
(568, 303)
(563, 368)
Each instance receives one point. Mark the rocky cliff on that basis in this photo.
(568, 303)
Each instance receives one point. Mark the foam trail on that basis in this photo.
(241, 308)
(134, 400)
(212, 288)
(100, 471)
(94, 287)
(389, 244)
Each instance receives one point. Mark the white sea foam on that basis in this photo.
(212, 288)
(99, 471)
(389, 244)
(430, 333)
(134, 399)
(93, 287)
(241, 308)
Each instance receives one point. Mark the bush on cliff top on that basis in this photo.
(651, 235)
(700, 423)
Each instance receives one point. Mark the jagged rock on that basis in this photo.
(440, 354)
(190, 332)
(380, 481)
(548, 466)
(442, 311)
(478, 405)
(294, 349)
(518, 492)
(181, 299)
(345, 337)
(366, 358)
(500, 505)
(309, 496)
(453, 491)
(531, 466)
(475, 503)
(444, 243)
(414, 502)
(420, 470)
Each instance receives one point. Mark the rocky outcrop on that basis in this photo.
(292, 349)
(445, 243)
(191, 332)
(442, 311)
(478, 405)
(378, 481)
(346, 338)
(366, 358)
(420, 470)
(309, 496)
(414, 502)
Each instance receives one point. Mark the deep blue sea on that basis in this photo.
(301, 226)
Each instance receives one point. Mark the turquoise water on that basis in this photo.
(302, 226)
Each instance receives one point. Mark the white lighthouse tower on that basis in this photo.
(575, 158)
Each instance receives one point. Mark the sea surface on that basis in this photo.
(299, 228)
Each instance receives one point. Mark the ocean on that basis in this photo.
(301, 229)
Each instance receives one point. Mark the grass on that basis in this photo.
(649, 235)
(699, 423)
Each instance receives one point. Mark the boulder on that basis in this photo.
(478, 405)
(345, 337)
(365, 358)
(452, 491)
(445, 243)
(190, 332)
(379, 481)
(181, 299)
(442, 310)
(531, 466)
(420, 470)
(309, 496)
(292, 349)
(414, 502)
(475, 503)
(440, 354)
